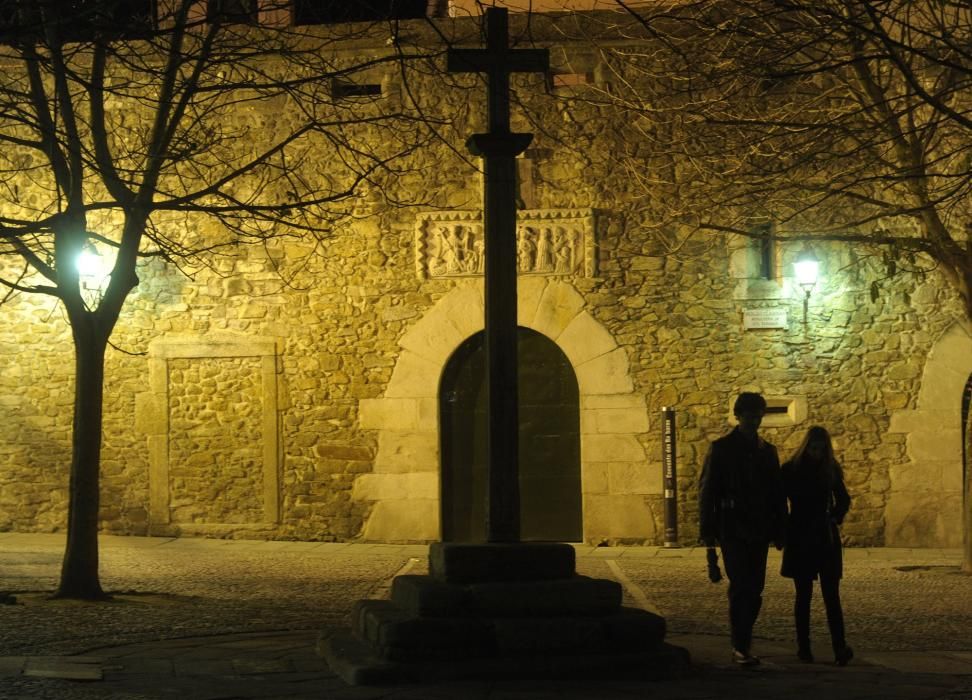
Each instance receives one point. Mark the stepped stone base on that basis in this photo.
(500, 611)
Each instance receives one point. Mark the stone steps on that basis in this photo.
(500, 611)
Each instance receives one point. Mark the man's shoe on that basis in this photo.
(805, 655)
(843, 655)
(744, 658)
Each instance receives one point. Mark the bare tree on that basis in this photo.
(836, 120)
(123, 133)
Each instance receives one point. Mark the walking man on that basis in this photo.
(742, 508)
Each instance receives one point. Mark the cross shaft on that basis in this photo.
(499, 148)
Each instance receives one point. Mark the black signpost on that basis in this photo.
(670, 477)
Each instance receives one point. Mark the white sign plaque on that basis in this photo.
(756, 319)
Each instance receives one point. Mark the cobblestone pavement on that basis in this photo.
(894, 599)
(191, 587)
(225, 619)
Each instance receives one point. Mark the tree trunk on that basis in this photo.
(79, 571)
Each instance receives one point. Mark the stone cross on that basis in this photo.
(499, 147)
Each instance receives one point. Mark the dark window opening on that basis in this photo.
(342, 90)
(235, 11)
(766, 270)
(336, 11)
(18, 16)
(777, 409)
(137, 14)
(567, 80)
(766, 249)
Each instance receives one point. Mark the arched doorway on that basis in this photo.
(926, 495)
(549, 450)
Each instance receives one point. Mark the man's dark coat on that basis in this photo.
(741, 492)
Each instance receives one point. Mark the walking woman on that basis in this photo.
(818, 501)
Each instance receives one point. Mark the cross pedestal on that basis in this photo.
(501, 612)
(502, 608)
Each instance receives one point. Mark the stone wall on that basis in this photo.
(36, 404)
(291, 391)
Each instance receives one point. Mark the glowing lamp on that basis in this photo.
(806, 268)
(89, 263)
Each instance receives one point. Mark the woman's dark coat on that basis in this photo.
(817, 506)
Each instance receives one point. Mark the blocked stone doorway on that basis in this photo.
(549, 448)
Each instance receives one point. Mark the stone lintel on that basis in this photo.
(221, 345)
(517, 561)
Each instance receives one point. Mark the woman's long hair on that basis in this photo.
(829, 467)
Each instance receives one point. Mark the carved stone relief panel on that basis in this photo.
(550, 242)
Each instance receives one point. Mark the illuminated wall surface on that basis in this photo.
(312, 410)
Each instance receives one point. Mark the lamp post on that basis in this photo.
(806, 267)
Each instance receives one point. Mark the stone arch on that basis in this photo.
(615, 479)
(925, 499)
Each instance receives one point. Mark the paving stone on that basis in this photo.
(128, 666)
(12, 665)
(69, 668)
(248, 667)
(915, 662)
(204, 667)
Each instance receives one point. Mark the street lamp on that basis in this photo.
(92, 272)
(89, 262)
(806, 267)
